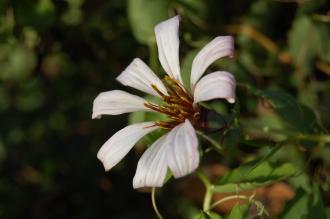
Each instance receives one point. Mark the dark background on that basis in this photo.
(57, 55)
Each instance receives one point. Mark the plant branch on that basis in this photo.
(208, 187)
(154, 205)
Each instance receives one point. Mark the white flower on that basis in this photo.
(178, 149)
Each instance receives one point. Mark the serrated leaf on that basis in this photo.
(252, 175)
(144, 15)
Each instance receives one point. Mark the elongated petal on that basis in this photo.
(122, 142)
(218, 84)
(167, 38)
(152, 167)
(219, 47)
(116, 102)
(139, 76)
(182, 152)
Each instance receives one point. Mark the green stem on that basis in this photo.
(203, 178)
(291, 135)
(208, 198)
(208, 187)
(216, 145)
(310, 137)
(154, 205)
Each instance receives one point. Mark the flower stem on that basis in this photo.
(208, 188)
(154, 205)
(207, 199)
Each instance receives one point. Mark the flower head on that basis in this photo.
(177, 150)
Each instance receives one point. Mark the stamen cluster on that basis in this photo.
(177, 105)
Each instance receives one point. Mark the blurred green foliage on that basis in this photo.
(57, 55)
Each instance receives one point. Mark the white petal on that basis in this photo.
(218, 84)
(219, 47)
(116, 102)
(167, 38)
(182, 152)
(122, 142)
(152, 167)
(139, 76)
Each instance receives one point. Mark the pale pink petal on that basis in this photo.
(218, 84)
(116, 102)
(182, 149)
(152, 167)
(122, 142)
(139, 76)
(219, 47)
(167, 38)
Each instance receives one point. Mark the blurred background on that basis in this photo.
(57, 55)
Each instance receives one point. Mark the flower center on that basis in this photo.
(177, 105)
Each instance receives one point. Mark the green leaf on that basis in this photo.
(214, 215)
(297, 208)
(306, 42)
(245, 209)
(236, 213)
(287, 107)
(297, 116)
(317, 206)
(204, 215)
(252, 175)
(232, 137)
(307, 205)
(144, 15)
(209, 215)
